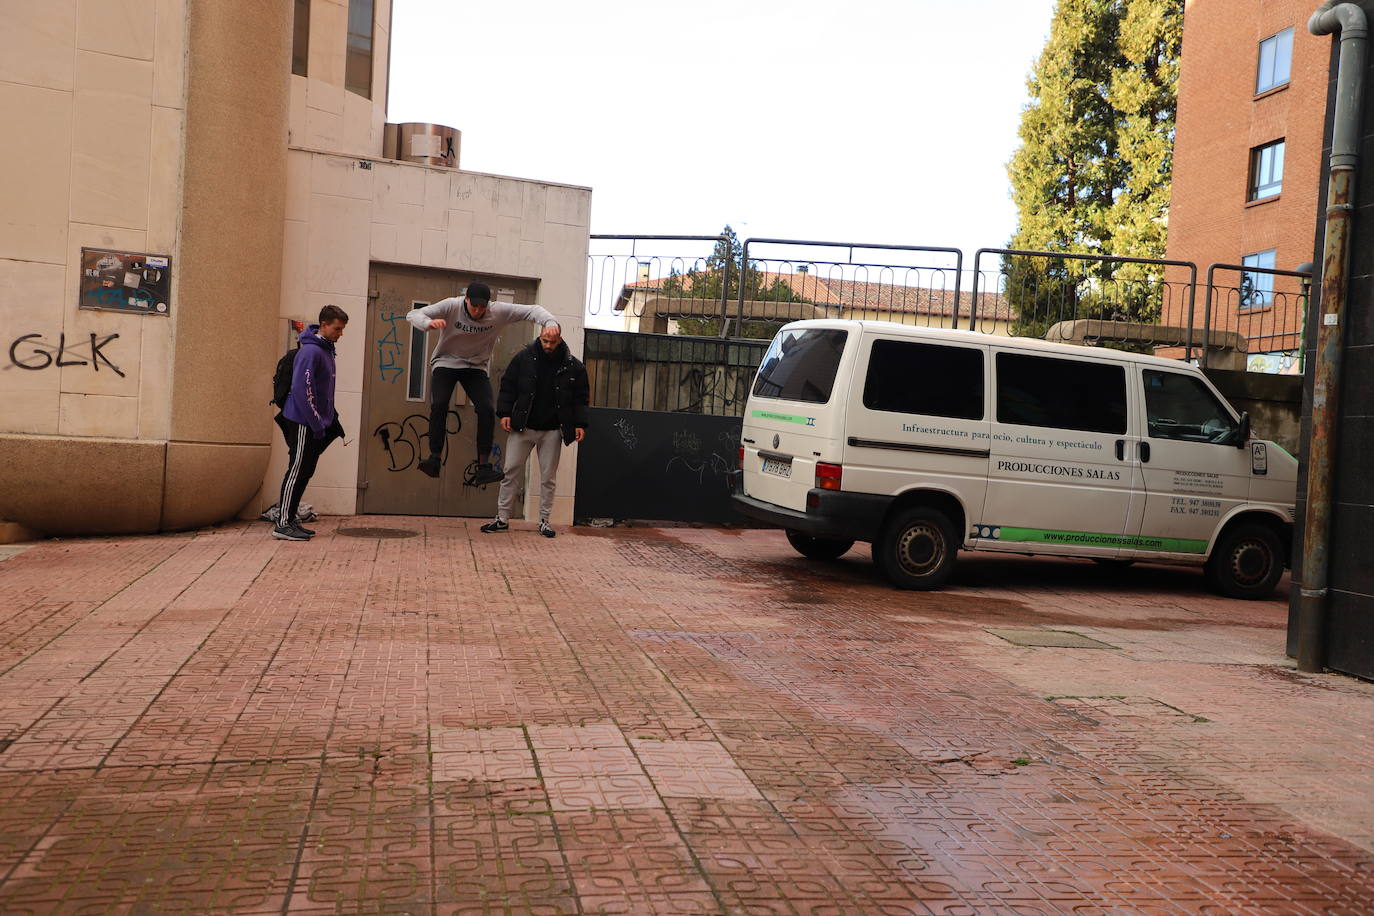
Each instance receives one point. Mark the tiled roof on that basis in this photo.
(856, 294)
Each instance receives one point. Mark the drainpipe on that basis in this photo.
(1349, 20)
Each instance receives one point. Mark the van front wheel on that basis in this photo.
(917, 549)
(814, 548)
(1246, 562)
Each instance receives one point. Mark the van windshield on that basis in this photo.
(800, 365)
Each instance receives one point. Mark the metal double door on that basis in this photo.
(396, 392)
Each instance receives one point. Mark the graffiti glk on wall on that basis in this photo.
(35, 353)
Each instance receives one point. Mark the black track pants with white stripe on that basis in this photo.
(303, 453)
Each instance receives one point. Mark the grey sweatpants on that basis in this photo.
(518, 448)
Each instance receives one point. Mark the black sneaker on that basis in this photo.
(485, 473)
(494, 526)
(430, 466)
(290, 533)
(547, 530)
(297, 525)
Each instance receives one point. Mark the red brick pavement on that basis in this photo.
(654, 721)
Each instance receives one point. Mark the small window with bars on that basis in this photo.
(415, 362)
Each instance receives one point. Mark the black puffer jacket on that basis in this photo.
(570, 389)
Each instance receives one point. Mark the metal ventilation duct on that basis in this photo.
(428, 144)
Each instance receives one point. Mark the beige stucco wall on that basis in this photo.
(137, 119)
(341, 216)
(232, 211)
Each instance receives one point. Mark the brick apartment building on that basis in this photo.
(1247, 164)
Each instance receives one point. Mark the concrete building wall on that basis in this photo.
(345, 212)
(122, 115)
(1220, 119)
(347, 207)
(92, 98)
(325, 115)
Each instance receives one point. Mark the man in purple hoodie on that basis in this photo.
(308, 420)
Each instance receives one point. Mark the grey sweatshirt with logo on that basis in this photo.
(466, 343)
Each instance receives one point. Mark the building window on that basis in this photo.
(1257, 289)
(1275, 61)
(1061, 393)
(415, 375)
(927, 379)
(358, 68)
(1182, 407)
(300, 38)
(801, 365)
(1266, 170)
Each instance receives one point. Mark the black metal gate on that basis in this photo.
(665, 426)
(655, 466)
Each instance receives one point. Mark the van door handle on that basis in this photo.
(1120, 449)
(1144, 451)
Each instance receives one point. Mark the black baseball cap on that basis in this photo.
(479, 293)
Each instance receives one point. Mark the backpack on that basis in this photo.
(281, 379)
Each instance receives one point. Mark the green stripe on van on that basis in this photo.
(1095, 539)
(784, 417)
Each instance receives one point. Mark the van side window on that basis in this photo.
(800, 365)
(928, 379)
(1180, 406)
(1061, 393)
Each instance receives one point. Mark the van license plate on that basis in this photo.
(780, 468)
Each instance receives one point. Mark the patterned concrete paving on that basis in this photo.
(655, 721)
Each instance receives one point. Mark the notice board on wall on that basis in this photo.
(125, 281)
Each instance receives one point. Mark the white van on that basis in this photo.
(923, 441)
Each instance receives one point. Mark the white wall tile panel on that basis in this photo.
(36, 43)
(121, 27)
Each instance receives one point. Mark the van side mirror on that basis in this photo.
(1243, 431)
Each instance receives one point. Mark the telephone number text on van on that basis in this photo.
(1056, 470)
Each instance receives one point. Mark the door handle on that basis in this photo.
(1144, 451)
(1120, 449)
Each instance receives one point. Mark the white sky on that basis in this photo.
(883, 121)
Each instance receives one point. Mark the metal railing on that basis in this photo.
(1143, 304)
(922, 290)
(1086, 298)
(1266, 308)
(668, 372)
(651, 286)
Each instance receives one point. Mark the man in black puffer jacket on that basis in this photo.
(543, 405)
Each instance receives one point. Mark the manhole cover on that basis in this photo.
(378, 533)
(1050, 639)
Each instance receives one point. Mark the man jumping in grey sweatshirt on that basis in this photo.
(468, 328)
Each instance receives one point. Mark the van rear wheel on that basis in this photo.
(814, 548)
(1247, 562)
(917, 549)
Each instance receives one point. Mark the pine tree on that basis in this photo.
(1092, 174)
(725, 265)
(1144, 90)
